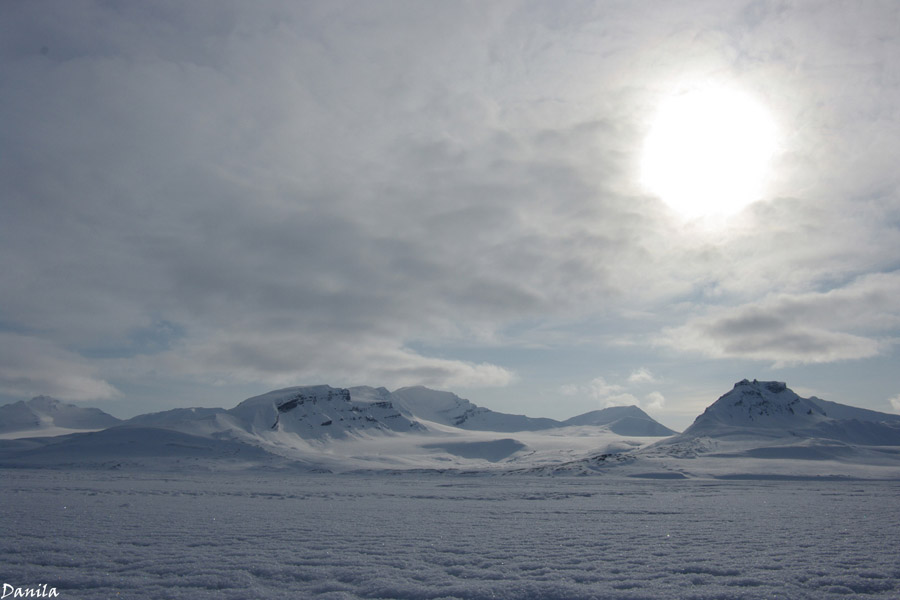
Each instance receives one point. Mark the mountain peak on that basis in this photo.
(759, 404)
(624, 420)
(45, 402)
(775, 387)
(767, 409)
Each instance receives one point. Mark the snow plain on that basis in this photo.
(256, 534)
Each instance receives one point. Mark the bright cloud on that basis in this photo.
(655, 401)
(641, 375)
(895, 403)
(607, 394)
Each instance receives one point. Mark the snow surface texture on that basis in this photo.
(237, 536)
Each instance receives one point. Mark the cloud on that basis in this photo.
(849, 322)
(311, 217)
(610, 394)
(326, 192)
(641, 375)
(30, 367)
(598, 389)
(895, 403)
(283, 359)
(655, 401)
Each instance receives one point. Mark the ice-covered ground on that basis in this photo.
(93, 534)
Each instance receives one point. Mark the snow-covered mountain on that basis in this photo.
(43, 415)
(447, 408)
(762, 429)
(315, 412)
(624, 420)
(323, 411)
(769, 409)
(758, 429)
(322, 427)
(274, 429)
(765, 429)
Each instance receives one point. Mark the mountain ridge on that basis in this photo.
(415, 403)
(449, 409)
(757, 429)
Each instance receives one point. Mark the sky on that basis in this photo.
(206, 201)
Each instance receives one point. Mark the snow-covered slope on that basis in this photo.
(449, 409)
(204, 422)
(844, 412)
(624, 420)
(43, 415)
(155, 448)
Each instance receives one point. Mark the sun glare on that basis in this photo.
(708, 152)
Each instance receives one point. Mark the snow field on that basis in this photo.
(98, 534)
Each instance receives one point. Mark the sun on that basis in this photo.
(708, 151)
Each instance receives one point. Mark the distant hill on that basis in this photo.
(43, 414)
(624, 420)
(449, 409)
